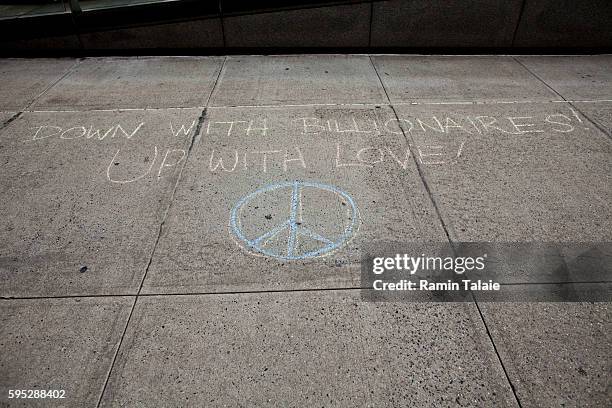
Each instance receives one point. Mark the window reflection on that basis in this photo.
(102, 4)
(25, 8)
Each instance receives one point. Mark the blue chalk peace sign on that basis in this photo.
(292, 226)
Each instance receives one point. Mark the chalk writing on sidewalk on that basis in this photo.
(342, 143)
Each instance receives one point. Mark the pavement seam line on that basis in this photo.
(194, 139)
(308, 105)
(264, 291)
(110, 369)
(195, 136)
(593, 122)
(48, 88)
(25, 109)
(159, 234)
(9, 120)
(160, 231)
(412, 153)
(570, 102)
(225, 293)
(444, 226)
(482, 317)
(214, 88)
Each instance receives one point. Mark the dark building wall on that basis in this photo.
(446, 23)
(230, 25)
(333, 26)
(565, 23)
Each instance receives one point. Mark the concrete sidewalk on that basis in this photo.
(143, 255)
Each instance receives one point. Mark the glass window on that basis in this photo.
(26, 8)
(103, 4)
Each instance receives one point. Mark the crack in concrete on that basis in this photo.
(195, 138)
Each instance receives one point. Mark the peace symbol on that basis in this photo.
(293, 227)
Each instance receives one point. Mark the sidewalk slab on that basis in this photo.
(458, 78)
(300, 79)
(84, 195)
(148, 82)
(577, 77)
(304, 349)
(556, 354)
(4, 116)
(526, 172)
(373, 190)
(599, 112)
(59, 344)
(24, 79)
